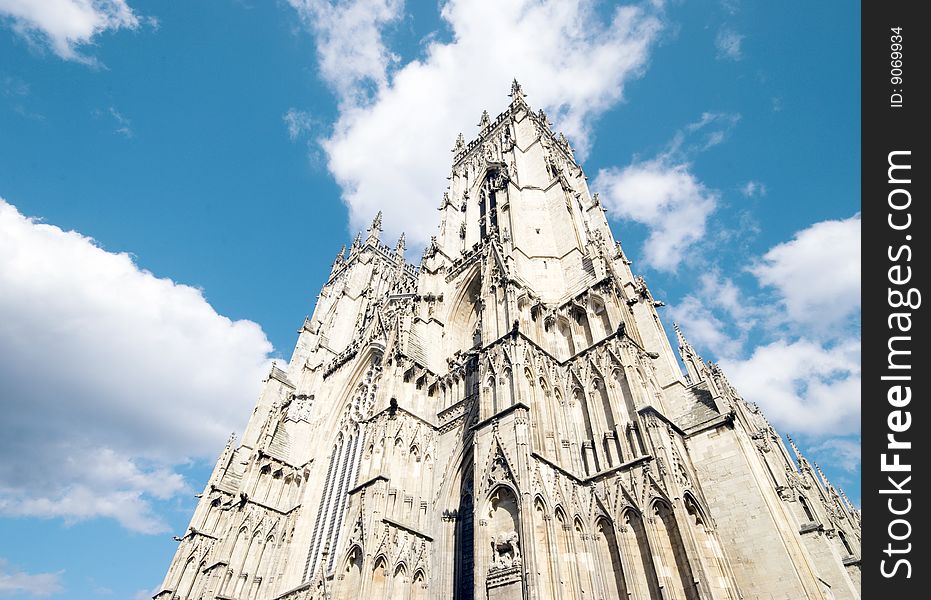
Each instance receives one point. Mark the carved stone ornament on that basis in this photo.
(505, 551)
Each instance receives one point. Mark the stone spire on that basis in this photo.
(340, 259)
(693, 363)
(680, 338)
(802, 461)
(460, 142)
(824, 479)
(517, 92)
(850, 507)
(399, 249)
(374, 230)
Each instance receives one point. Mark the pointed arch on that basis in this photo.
(610, 448)
(457, 490)
(608, 558)
(709, 550)
(400, 586)
(671, 552)
(378, 586)
(547, 415)
(581, 414)
(463, 316)
(543, 551)
(200, 580)
(186, 579)
(565, 337)
(642, 580)
(419, 585)
(352, 573)
(580, 316)
(600, 311)
(583, 558)
(806, 509)
(564, 553)
(212, 516)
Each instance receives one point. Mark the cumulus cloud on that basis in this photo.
(728, 43)
(351, 51)
(397, 121)
(717, 315)
(816, 274)
(667, 198)
(16, 582)
(802, 366)
(663, 194)
(67, 25)
(803, 386)
(110, 376)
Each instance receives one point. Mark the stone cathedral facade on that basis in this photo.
(507, 420)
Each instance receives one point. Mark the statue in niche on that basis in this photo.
(505, 551)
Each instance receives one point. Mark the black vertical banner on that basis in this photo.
(895, 272)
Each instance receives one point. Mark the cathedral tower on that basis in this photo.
(507, 421)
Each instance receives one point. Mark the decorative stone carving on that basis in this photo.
(505, 551)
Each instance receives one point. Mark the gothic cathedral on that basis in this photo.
(508, 421)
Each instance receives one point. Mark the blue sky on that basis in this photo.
(176, 179)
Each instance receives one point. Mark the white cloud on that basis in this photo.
(803, 386)
(352, 55)
(13, 581)
(816, 274)
(667, 198)
(123, 124)
(717, 316)
(728, 42)
(110, 376)
(753, 189)
(664, 195)
(804, 368)
(67, 25)
(398, 121)
(713, 128)
(298, 123)
(702, 327)
(839, 452)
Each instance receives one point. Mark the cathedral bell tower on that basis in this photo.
(507, 421)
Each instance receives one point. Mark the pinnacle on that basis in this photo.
(798, 453)
(460, 142)
(680, 337)
(375, 230)
(516, 90)
(485, 120)
(340, 256)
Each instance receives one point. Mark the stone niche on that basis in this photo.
(504, 580)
